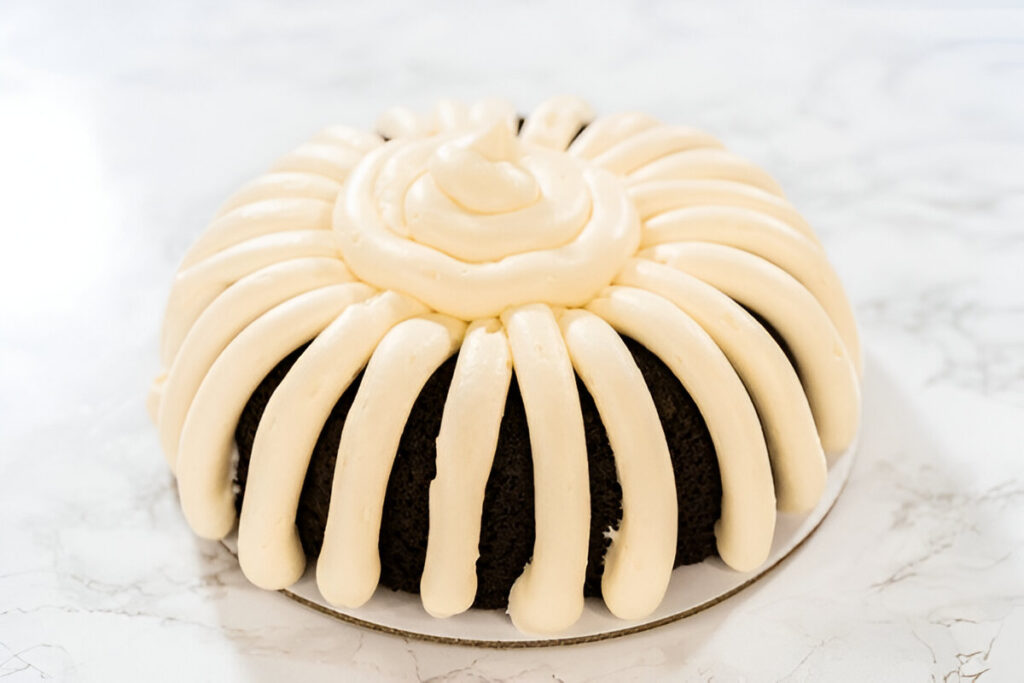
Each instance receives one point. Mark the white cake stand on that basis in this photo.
(693, 588)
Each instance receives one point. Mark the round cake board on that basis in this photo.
(693, 588)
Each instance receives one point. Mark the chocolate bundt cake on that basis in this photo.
(504, 362)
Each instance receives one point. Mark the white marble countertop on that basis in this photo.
(899, 133)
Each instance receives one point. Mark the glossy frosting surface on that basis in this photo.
(526, 251)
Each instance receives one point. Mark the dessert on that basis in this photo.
(503, 361)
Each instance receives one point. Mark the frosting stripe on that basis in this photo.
(196, 287)
(548, 596)
(229, 314)
(465, 452)
(772, 240)
(343, 136)
(822, 361)
(554, 122)
(658, 196)
(450, 115)
(706, 163)
(532, 245)
(798, 462)
(207, 438)
(260, 218)
(283, 185)
(486, 111)
(329, 160)
(609, 130)
(639, 561)
(349, 566)
(401, 122)
(567, 275)
(744, 532)
(651, 144)
(268, 544)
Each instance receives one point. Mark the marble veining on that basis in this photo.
(897, 132)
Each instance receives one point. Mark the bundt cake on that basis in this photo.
(504, 363)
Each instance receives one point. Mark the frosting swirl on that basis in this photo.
(553, 239)
(475, 223)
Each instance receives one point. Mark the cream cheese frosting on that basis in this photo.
(526, 250)
(476, 223)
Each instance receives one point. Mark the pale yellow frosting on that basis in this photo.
(422, 218)
(640, 557)
(349, 564)
(528, 252)
(548, 595)
(465, 451)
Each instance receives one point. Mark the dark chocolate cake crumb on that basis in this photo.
(577, 134)
(507, 525)
(698, 480)
(605, 492)
(405, 521)
(245, 431)
(774, 334)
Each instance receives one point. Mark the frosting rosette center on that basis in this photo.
(461, 302)
(472, 223)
